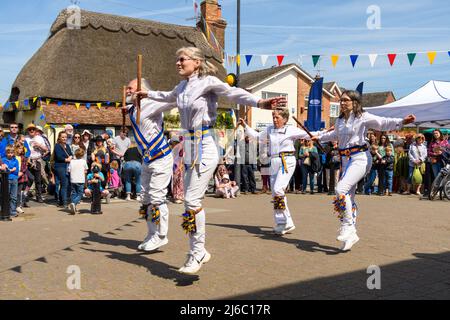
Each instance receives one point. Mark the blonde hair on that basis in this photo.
(206, 68)
(388, 149)
(114, 165)
(79, 153)
(283, 112)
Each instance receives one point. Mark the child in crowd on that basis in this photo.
(13, 168)
(114, 182)
(96, 176)
(78, 168)
(376, 159)
(388, 163)
(22, 176)
(229, 189)
(224, 187)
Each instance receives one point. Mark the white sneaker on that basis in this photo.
(282, 229)
(128, 197)
(345, 231)
(348, 244)
(19, 210)
(139, 198)
(72, 208)
(108, 198)
(141, 246)
(154, 243)
(192, 266)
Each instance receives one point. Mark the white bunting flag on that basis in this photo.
(264, 59)
(373, 58)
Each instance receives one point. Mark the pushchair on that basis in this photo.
(441, 183)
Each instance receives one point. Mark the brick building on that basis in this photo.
(75, 68)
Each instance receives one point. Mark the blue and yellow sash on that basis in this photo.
(197, 136)
(153, 150)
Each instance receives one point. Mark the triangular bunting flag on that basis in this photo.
(117, 104)
(238, 60)
(248, 58)
(108, 103)
(47, 126)
(334, 59)
(411, 57)
(280, 59)
(34, 99)
(7, 105)
(391, 57)
(42, 117)
(41, 108)
(315, 59)
(264, 58)
(1, 106)
(17, 103)
(373, 57)
(60, 103)
(77, 105)
(354, 58)
(47, 102)
(88, 106)
(26, 102)
(431, 56)
(360, 88)
(99, 105)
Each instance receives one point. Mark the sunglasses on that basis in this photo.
(14, 127)
(183, 59)
(77, 137)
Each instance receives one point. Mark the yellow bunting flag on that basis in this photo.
(47, 126)
(17, 103)
(47, 101)
(431, 56)
(77, 105)
(41, 108)
(117, 104)
(34, 99)
(99, 105)
(238, 59)
(334, 59)
(1, 107)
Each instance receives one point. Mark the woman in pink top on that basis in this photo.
(437, 145)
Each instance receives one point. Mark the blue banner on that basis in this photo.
(314, 121)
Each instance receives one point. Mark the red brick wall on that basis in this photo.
(212, 12)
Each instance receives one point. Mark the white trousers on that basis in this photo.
(155, 178)
(279, 180)
(353, 170)
(195, 185)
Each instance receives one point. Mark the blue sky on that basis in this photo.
(288, 27)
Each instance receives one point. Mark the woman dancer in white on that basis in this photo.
(350, 131)
(281, 139)
(196, 97)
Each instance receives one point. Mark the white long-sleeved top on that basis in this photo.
(197, 97)
(353, 132)
(417, 152)
(280, 140)
(151, 119)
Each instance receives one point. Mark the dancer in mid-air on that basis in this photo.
(196, 97)
(350, 131)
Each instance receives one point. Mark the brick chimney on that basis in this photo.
(212, 12)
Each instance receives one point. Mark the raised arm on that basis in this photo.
(326, 136)
(386, 124)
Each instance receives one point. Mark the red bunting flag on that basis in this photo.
(280, 59)
(392, 57)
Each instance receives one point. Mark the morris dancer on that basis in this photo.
(350, 131)
(196, 96)
(156, 168)
(281, 139)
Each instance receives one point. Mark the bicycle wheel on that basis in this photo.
(447, 189)
(435, 187)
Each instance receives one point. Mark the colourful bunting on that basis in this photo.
(431, 56)
(77, 105)
(88, 106)
(372, 58)
(60, 103)
(17, 103)
(7, 106)
(117, 104)
(238, 60)
(334, 59)
(248, 58)
(47, 102)
(99, 105)
(411, 57)
(34, 99)
(26, 102)
(391, 57)
(42, 117)
(354, 58)
(315, 59)
(280, 59)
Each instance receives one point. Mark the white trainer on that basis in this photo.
(154, 243)
(141, 246)
(192, 265)
(345, 231)
(19, 210)
(282, 229)
(72, 208)
(139, 198)
(349, 242)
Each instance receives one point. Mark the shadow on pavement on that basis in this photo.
(305, 245)
(425, 277)
(157, 268)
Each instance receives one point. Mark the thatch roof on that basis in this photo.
(375, 99)
(93, 63)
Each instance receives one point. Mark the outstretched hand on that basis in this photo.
(409, 119)
(272, 103)
(241, 122)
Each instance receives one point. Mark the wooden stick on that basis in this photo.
(124, 104)
(139, 87)
(309, 133)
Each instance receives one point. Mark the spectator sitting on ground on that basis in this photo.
(224, 187)
(96, 176)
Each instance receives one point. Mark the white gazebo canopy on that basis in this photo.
(430, 104)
